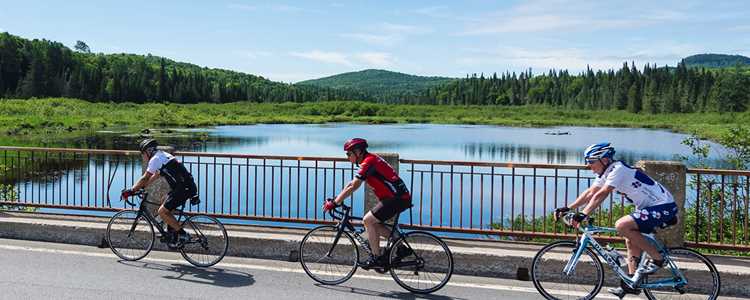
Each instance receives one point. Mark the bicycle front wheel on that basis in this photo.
(548, 277)
(208, 241)
(325, 262)
(702, 278)
(421, 262)
(130, 235)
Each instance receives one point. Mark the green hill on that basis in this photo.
(384, 86)
(716, 60)
(43, 68)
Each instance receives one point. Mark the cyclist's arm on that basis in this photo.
(348, 190)
(584, 198)
(145, 180)
(597, 199)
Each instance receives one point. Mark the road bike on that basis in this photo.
(131, 236)
(421, 262)
(573, 269)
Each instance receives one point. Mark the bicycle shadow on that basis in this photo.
(391, 294)
(212, 275)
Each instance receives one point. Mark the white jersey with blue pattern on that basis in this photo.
(634, 185)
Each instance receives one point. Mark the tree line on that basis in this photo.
(651, 90)
(42, 68)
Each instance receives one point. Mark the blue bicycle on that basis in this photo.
(573, 269)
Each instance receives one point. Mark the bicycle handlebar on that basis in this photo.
(140, 193)
(567, 218)
(346, 210)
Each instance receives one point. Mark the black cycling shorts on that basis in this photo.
(388, 208)
(177, 196)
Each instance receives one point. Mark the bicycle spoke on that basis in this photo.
(208, 241)
(333, 268)
(702, 278)
(549, 279)
(434, 263)
(130, 236)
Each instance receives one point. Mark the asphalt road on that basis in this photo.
(38, 270)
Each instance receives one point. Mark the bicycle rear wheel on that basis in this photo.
(549, 279)
(703, 280)
(130, 235)
(421, 262)
(325, 262)
(208, 241)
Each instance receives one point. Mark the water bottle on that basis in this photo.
(614, 254)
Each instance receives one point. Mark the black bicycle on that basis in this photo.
(421, 262)
(130, 234)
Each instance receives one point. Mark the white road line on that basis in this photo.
(298, 270)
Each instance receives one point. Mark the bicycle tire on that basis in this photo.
(573, 281)
(680, 255)
(312, 255)
(130, 235)
(429, 255)
(208, 242)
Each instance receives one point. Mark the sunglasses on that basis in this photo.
(591, 161)
(349, 153)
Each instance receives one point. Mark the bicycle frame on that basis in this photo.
(143, 211)
(678, 279)
(345, 224)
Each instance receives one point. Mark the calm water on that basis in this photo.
(466, 203)
(451, 142)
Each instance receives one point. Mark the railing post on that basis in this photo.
(159, 188)
(672, 175)
(370, 199)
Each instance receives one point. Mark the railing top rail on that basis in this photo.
(179, 153)
(718, 172)
(492, 164)
(70, 150)
(253, 156)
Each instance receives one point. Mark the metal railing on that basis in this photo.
(252, 187)
(495, 199)
(717, 209)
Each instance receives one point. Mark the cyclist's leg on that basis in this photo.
(374, 229)
(165, 211)
(386, 210)
(628, 228)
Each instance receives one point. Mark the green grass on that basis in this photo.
(27, 121)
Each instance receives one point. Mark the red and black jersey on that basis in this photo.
(382, 178)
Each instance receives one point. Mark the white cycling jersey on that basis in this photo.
(636, 186)
(158, 161)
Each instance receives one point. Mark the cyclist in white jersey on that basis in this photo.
(655, 206)
(181, 184)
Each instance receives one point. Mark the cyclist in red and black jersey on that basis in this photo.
(388, 187)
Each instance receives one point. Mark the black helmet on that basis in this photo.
(147, 144)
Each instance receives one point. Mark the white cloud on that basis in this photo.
(574, 59)
(244, 7)
(326, 57)
(526, 24)
(286, 8)
(741, 28)
(387, 34)
(376, 59)
(554, 16)
(276, 8)
(373, 39)
(256, 54)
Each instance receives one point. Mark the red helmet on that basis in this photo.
(355, 143)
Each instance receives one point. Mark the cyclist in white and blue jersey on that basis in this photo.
(654, 206)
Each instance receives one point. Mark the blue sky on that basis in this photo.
(293, 41)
